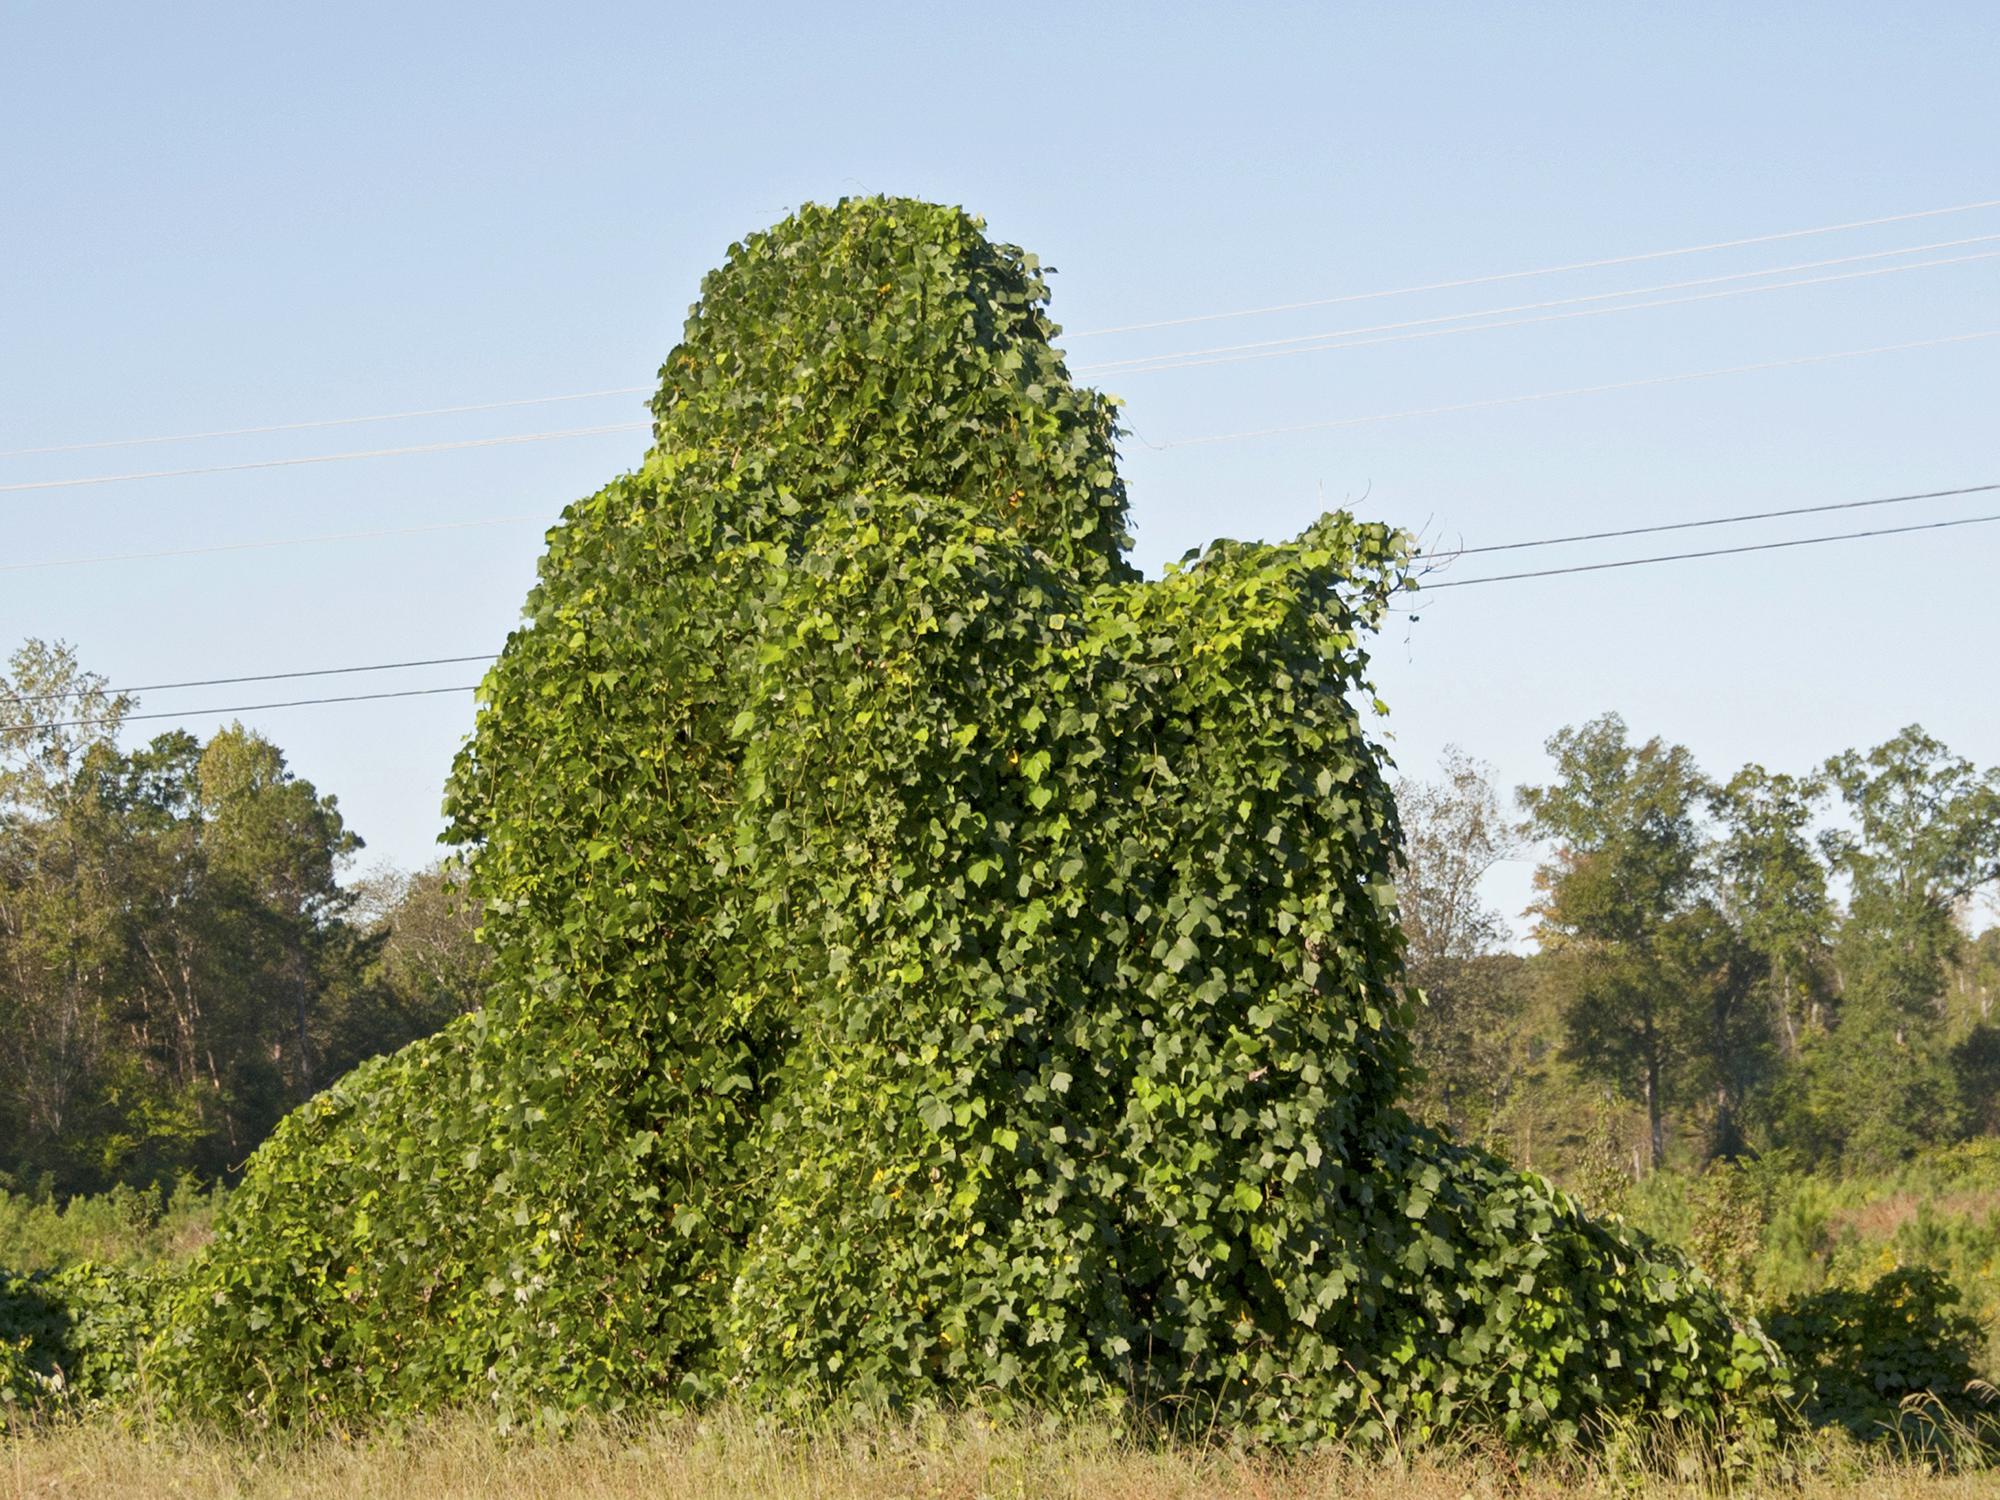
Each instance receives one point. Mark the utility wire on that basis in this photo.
(1224, 437)
(386, 416)
(1270, 348)
(161, 687)
(1453, 552)
(639, 390)
(1446, 556)
(327, 458)
(1451, 583)
(1639, 562)
(244, 708)
(1575, 390)
(287, 541)
(1590, 312)
(1631, 562)
(1581, 265)
(1755, 515)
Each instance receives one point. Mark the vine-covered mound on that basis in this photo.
(930, 960)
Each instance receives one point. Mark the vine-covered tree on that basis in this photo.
(928, 960)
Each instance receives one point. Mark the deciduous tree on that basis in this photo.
(1641, 958)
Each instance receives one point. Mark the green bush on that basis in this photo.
(1861, 1356)
(1769, 1232)
(75, 1337)
(930, 963)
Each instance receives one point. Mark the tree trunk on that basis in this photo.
(1656, 1125)
(304, 998)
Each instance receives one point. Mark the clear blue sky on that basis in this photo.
(221, 216)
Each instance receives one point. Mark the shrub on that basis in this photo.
(929, 962)
(1861, 1355)
(74, 1337)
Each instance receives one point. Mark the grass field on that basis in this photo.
(735, 1455)
(1942, 1211)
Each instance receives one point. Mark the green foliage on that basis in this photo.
(175, 972)
(179, 964)
(1453, 835)
(74, 1338)
(138, 1228)
(1475, 1061)
(429, 968)
(1862, 1355)
(928, 962)
(1815, 1231)
(1774, 887)
(1924, 835)
(1653, 979)
(1706, 975)
(1729, 1209)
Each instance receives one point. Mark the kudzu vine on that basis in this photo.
(931, 961)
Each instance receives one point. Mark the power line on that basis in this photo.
(636, 390)
(1581, 265)
(327, 458)
(1428, 587)
(1755, 515)
(386, 416)
(1638, 562)
(1577, 390)
(1592, 312)
(244, 708)
(1631, 562)
(1455, 552)
(289, 541)
(1314, 342)
(161, 687)
(1225, 437)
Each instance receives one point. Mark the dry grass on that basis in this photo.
(954, 1459)
(1880, 1219)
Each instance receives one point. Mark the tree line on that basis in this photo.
(1780, 961)
(180, 960)
(1801, 962)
